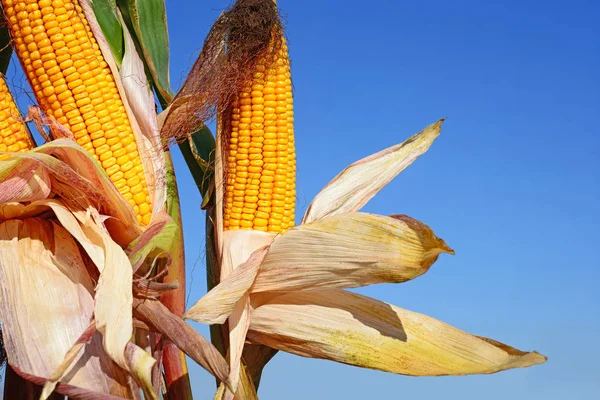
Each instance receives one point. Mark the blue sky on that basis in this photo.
(512, 184)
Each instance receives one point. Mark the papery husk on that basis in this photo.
(69, 359)
(245, 389)
(342, 251)
(357, 330)
(215, 307)
(76, 213)
(113, 297)
(62, 168)
(349, 250)
(352, 188)
(40, 259)
(238, 246)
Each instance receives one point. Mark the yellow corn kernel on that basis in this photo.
(74, 85)
(261, 158)
(14, 135)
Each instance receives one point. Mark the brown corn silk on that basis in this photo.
(14, 135)
(260, 155)
(74, 85)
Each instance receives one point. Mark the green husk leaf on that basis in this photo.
(107, 16)
(148, 18)
(158, 238)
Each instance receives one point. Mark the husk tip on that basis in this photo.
(442, 247)
(534, 358)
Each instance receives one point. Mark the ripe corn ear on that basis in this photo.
(73, 84)
(260, 184)
(14, 135)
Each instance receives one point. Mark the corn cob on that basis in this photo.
(260, 185)
(14, 135)
(73, 84)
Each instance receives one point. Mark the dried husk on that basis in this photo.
(47, 303)
(352, 188)
(357, 330)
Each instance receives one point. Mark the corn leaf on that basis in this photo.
(357, 330)
(107, 16)
(70, 357)
(238, 246)
(113, 293)
(351, 189)
(40, 258)
(113, 312)
(148, 18)
(143, 107)
(73, 392)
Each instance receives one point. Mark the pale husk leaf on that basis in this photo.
(351, 189)
(349, 250)
(70, 357)
(245, 389)
(357, 330)
(113, 311)
(114, 296)
(39, 258)
(238, 246)
(217, 305)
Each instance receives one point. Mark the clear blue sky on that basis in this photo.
(513, 183)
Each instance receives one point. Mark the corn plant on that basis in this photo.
(92, 273)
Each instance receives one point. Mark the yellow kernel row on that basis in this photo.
(14, 135)
(260, 156)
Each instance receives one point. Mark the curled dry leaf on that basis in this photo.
(352, 188)
(58, 374)
(173, 328)
(357, 330)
